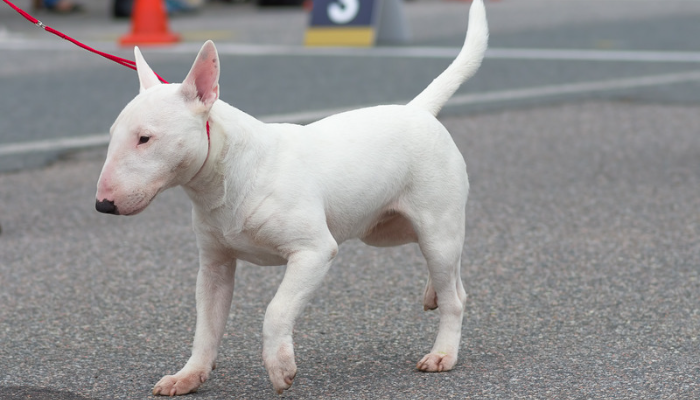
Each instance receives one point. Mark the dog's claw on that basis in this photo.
(281, 367)
(288, 380)
(436, 362)
(180, 383)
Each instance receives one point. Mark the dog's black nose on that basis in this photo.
(106, 206)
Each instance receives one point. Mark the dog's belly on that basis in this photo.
(390, 229)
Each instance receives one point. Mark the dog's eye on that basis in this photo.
(144, 139)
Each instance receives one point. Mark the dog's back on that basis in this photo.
(371, 161)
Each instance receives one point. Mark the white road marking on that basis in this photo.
(60, 144)
(576, 88)
(595, 55)
(20, 44)
(82, 142)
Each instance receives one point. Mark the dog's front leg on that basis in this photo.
(213, 294)
(304, 274)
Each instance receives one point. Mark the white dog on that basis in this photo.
(275, 194)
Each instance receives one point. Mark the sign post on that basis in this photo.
(357, 23)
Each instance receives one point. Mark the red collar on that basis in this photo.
(208, 136)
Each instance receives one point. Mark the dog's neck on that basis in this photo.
(235, 139)
(206, 157)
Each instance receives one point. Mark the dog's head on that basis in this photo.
(159, 140)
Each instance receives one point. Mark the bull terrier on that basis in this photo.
(275, 194)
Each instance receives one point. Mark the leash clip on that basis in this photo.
(40, 24)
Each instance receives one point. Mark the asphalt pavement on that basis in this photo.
(581, 134)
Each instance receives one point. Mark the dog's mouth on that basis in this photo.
(136, 211)
(143, 205)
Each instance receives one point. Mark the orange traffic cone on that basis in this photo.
(149, 25)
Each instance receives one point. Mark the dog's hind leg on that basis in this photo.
(430, 300)
(441, 243)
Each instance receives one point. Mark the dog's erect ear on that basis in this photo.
(202, 82)
(147, 78)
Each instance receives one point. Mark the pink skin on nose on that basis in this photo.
(105, 190)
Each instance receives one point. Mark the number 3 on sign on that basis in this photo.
(343, 11)
(342, 23)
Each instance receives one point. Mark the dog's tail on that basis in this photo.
(434, 97)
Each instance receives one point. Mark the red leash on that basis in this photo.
(118, 60)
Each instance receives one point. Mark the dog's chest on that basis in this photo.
(235, 240)
(244, 247)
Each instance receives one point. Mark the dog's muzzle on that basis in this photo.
(106, 206)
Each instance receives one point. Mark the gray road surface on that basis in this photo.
(581, 260)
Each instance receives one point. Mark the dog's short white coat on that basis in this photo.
(276, 194)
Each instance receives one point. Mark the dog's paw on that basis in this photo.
(436, 362)
(180, 383)
(281, 368)
(282, 379)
